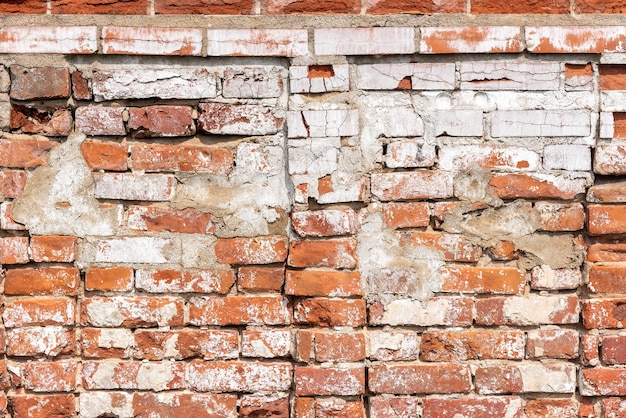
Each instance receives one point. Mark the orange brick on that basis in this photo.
(106, 343)
(109, 279)
(325, 223)
(475, 39)
(604, 313)
(535, 7)
(183, 158)
(274, 7)
(612, 407)
(603, 382)
(328, 253)
(483, 408)
(614, 349)
(414, 7)
(529, 186)
(317, 381)
(607, 279)
(619, 124)
(39, 311)
(49, 376)
(599, 6)
(130, 375)
(496, 380)
(339, 347)
(589, 353)
(561, 217)
(323, 283)
(606, 252)
(187, 343)
(109, 156)
(614, 192)
(406, 214)
(42, 281)
(174, 281)
(259, 250)
(12, 183)
(140, 311)
(52, 249)
(454, 247)
(49, 341)
(147, 404)
(472, 345)
(104, 7)
(239, 376)
(260, 279)
(420, 379)
(203, 7)
(159, 219)
(482, 280)
(553, 343)
(239, 310)
(14, 250)
(504, 251)
(24, 153)
(330, 312)
(42, 406)
(612, 77)
(26, 6)
(604, 220)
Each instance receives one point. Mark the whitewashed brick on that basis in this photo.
(567, 157)
(613, 58)
(412, 185)
(127, 250)
(98, 404)
(252, 82)
(48, 39)
(154, 376)
(206, 281)
(459, 123)
(343, 187)
(509, 75)
(100, 120)
(607, 125)
(410, 154)
(546, 278)
(470, 39)
(240, 377)
(548, 378)
(257, 42)
(539, 310)
(464, 157)
(301, 82)
(365, 41)
(266, 343)
(149, 82)
(533, 123)
(322, 123)
(128, 186)
(610, 159)
(613, 100)
(575, 39)
(151, 41)
(234, 119)
(427, 313)
(431, 76)
(394, 345)
(317, 157)
(397, 121)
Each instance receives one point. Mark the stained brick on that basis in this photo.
(330, 381)
(260, 250)
(107, 156)
(12, 183)
(472, 345)
(273, 7)
(151, 40)
(181, 158)
(574, 39)
(49, 376)
(614, 349)
(328, 253)
(173, 281)
(471, 39)
(322, 283)
(42, 281)
(188, 343)
(328, 312)
(14, 250)
(140, 311)
(562, 343)
(239, 310)
(109, 279)
(257, 42)
(195, 7)
(452, 247)
(194, 404)
(131, 375)
(260, 279)
(48, 39)
(238, 376)
(420, 379)
(39, 83)
(41, 406)
(45, 120)
(482, 407)
(39, 312)
(604, 220)
(100, 120)
(607, 313)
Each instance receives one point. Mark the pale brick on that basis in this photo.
(154, 376)
(341, 187)
(128, 186)
(470, 39)
(436, 311)
(32, 341)
(532, 123)
(567, 157)
(151, 41)
(464, 157)
(227, 119)
(322, 123)
(529, 310)
(546, 278)
(413, 185)
(397, 121)
(510, 75)
(607, 126)
(99, 404)
(317, 157)
(149, 82)
(410, 154)
(459, 123)
(610, 159)
(100, 120)
(548, 378)
(304, 79)
(126, 250)
(5, 111)
(48, 39)
(257, 42)
(252, 82)
(6, 219)
(236, 376)
(364, 41)
(613, 100)
(422, 76)
(393, 345)
(575, 39)
(266, 343)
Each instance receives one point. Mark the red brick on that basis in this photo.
(14, 250)
(174, 281)
(612, 77)
(415, 7)
(603, 382)
(304, 407)
(334, 408)
(39, 311)
(496, 380)
(186, 343)
(561, 217)
(553, 343)
(503, 251)
(24, 153)
(204, 7)
(159, 219)
(510, 281)
(109, 279)
(453, 247)
(339, 347)
(535, 7)
(420, 379)
(613, 408)
(606, 252)
(239, 376)
(100, 120)
(46, 120)
(60, 249)
(39, 83)
(41, 406)
(607, 279)
(328, 253)
(393, 345)
(259, 250)
(6, 219)
(614, 192)
(239, 310)
(104, 7)
(12, 183)
(397, 406)
(609, 158)
(476, 408)
(260, 279)
(49, 376)
(5, 382)
(619, 124)
(472, 345)
(140, 311)
(589, 353)
(124, 374)
(604, 313)
(528, 310)
(161, 121)
(267, 343)
(184, 158)
(614, 349)
(261, 406)
(282, 7)
(597, 6)
(605, 220)
(322, 283)
(25, 6)
(80, 86)
(325, 223)
(42, 281)
(183, 405)
(106, 343)
(412, 185)
(529, 186)
(330, 312)
(330, 381)
(50, 341)
(108, 156)
(406, 214)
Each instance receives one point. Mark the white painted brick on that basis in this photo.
(567, 157)
(538, 310)
(546, 278)
(205, 281)
(127, 186)
(575, 39)
(548, 378)
(100, 120)
(239, 119)
(317, 157)
(539, 123)
(257, 42)
(151, 41)
(509, 75)
(300, 82)
(459, 123)
(607, 125)
(398, 122)
(464, 157)
(322, 123)
(613, 58)
(470, 39)
(149, 82)
(344, 187)
(423, 76)
(365, 41)
(252, 82)
(427, 313)
(48, 39)
(412, 185)
(610, 159)
(613, 100)
(126, 250)
(410, 154)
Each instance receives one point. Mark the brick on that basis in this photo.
(326, 312)
(602, 382)
(239, 310)
(471, 39)
(341, 187)
(332, 407)
(364, 41)
(45, 120)
(561, 216)
(528, 310)
(39, 83)
(154, 376)
(552, 343)
(181, 158)
(589, 354)
(49, 376)
(398, 121)
(496, 380)
(257, 42)
(55, 281)
(393, 345)
(140, 311)
(109, 279)
(48, 39)
(259, 250)
(12, 183)
(469, 123)
(344, 347)
(173, 281)
(604, 313)
(613, 407)
(406, 214)
(330, 381)
(274, 7)
(322, 283)
(490, 158)
(318, 78)
(186, 343)
(253, 82)
(266, 343)
(607, 125)
(452, 247)
(130, 186)
(614, 349)
(606, 279)
(510, 75)
(27, 6)
(322, 123)
(403, 76)
(41, 406)
(260, 279)
(219, 7)
(14, 250)
(614, 192)
(106, 343)
(594, 6)
(161, 121)
(50, 341)
(239, 376)
(397, 406)
(24, 153)
(229, 119)
(510, 406)
(39, 312)
(305, 345)
(107, 156)
(6, 220)
(503, 251)
(546, 278)
(610, 159)
(536, 186)
(603, 220)
(149, 82)
(606, 252)
(409, 154)
(194, 404)
(531, 123)
(567, 157)
(452, 311)
(151, 41)
(96, 404)
(325, 223)
(612, 77)
(420, 379)
(548, 377)
(574, 39)
(412, 185)
(81, 90)
(578, 77)
(108, 7)
(140, 250)
(159, 219)
(52, 249)
(100, 120)
(472, 345)
(337, 254)
(251, 406)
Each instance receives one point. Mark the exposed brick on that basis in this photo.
(604, 220)
(606, 279)
(266, 343)
(397, 406)
(322, 123)
(322, 283)
(173, 281)
(472, 345)
(39, 312)
(194, 7)
(188, 343)
(109, 279)
(151, 41)
(52, 249)
(328, 253)
(106, 343)
(589, 354)
(325, 223)
(100, 120)
(480, 408)
(95, 404)
(610, 159)
(606, 252)
(614, 192)
(161, 121)
(574, 39)
(470, 39)
(335, 347)
(48, 39)
(406, 215)
(536, 186)
(561, 217)
(191, 404)
(562, 343)
(257, 42)
(613, 407)
(42, 281)
(45, 120)
(452, 311)
(239, 310)
(602, 382)
(273, 7)
(420, 379)
(130, 186)
(39, 83)
(50, 341)
(578, 77)
(412, 185)
(181, 158)
(612, 77)
(229, 119)
(81, 89)
(496, 380)
(595, 6)
(607, 313)
(12, 183)
(330, 381)
(327, 312)
(482, 280)
(107, 156)
(155, 376)
(558, 377)
(333, 407)
(614, 349)
(528, 310)
(393, 345)
(418, 76)
(238, 376)
(260, 279)
(452, 247)
(131, 7)
(14, 250)
(26, 6)
(158, 219)
(364, 41)
(259, 250)
(140, 311)
(545, 278)
(251, 406)
(41, 406)
(49, 376)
